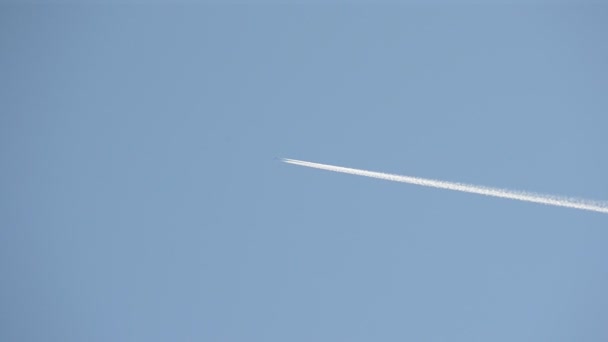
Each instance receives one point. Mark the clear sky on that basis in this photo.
(142, 199)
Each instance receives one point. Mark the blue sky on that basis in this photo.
(142, 199)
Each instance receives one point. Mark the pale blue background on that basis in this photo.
(142, 201)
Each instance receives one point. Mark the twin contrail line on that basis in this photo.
(600, 207)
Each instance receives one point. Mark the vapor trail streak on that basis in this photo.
(601, 207)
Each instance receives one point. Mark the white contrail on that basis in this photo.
(601, 207)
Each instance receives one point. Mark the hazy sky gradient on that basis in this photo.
(142, 200)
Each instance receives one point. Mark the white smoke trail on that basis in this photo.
(601, 207)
